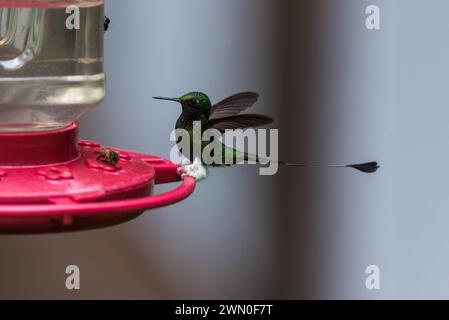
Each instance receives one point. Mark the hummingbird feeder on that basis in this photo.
(51, 73)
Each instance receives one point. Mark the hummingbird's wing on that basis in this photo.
(242, 121)
(233, 105)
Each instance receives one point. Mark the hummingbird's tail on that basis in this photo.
(368, 167)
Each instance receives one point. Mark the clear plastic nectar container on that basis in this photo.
(51, 72)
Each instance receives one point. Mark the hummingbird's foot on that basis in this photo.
(195, 169)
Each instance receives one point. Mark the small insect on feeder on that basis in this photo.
(51, 73)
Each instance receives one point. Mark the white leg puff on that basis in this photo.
(195, 169)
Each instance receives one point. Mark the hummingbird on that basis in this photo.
(227, 115)
(106, 23)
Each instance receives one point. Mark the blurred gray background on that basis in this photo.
(340, 93)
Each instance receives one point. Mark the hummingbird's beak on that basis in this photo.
(168, 99)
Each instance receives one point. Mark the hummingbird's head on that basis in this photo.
(197, 100)
(193, 103)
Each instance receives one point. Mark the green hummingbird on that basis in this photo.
(227, 115)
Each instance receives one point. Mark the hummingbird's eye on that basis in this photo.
(195, 102)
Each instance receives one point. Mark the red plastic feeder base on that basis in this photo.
(50, 182)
